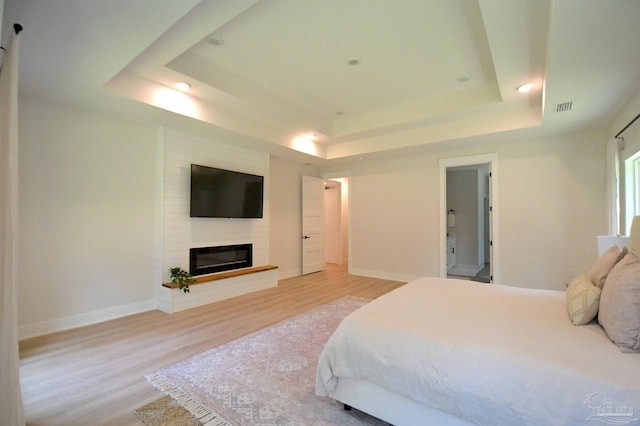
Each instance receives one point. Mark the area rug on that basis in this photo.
(265, 378)
(166, 412)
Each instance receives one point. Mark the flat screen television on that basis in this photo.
(225, 193)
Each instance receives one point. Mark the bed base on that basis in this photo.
(390, 407)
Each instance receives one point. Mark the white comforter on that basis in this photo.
(488, 354)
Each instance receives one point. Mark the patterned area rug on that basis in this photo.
(265, 378)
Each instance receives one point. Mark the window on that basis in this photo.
(631, 197)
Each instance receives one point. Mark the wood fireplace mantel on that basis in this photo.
(223, 275)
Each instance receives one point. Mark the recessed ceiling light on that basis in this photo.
(525, 88)
(216, 41)
(182, 85)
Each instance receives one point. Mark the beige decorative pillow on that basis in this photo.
(620, 304)
(583, 300)
(604, 264)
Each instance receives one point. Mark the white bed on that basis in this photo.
(452, 352)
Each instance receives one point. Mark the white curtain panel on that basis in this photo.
(613, 187)
(11, 410)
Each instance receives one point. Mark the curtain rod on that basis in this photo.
(629, 124)
(17, 28)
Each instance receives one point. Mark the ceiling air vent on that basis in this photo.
(563, 107)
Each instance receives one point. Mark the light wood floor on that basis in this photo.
(94, 375)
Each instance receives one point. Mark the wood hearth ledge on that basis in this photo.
(222, 275)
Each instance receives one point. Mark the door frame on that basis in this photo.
(492, 160)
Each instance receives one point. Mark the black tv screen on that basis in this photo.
(225, 193)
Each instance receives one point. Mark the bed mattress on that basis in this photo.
(488, 354)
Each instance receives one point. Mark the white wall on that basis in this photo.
(394, 211)
(551, 210)
(86, 232)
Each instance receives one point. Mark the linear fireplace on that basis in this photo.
(207, 260)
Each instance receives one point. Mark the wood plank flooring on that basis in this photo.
(94, 375)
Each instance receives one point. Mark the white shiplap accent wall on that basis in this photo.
(181, 232)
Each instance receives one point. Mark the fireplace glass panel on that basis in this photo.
(207, 260)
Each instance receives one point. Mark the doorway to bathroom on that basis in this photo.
(468, 212)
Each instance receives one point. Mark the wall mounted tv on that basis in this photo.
(225, 193)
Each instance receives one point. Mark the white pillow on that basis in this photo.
(604, 264)
(583, 300)
(620, 304)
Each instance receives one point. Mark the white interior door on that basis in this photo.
(312, 224)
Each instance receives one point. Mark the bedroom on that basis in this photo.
(88, 177)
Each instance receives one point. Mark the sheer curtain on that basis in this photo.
(11, 411)
(613, 186)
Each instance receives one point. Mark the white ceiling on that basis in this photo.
(271, 73)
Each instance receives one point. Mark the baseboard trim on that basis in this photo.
(283, 275)
(27, 331)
